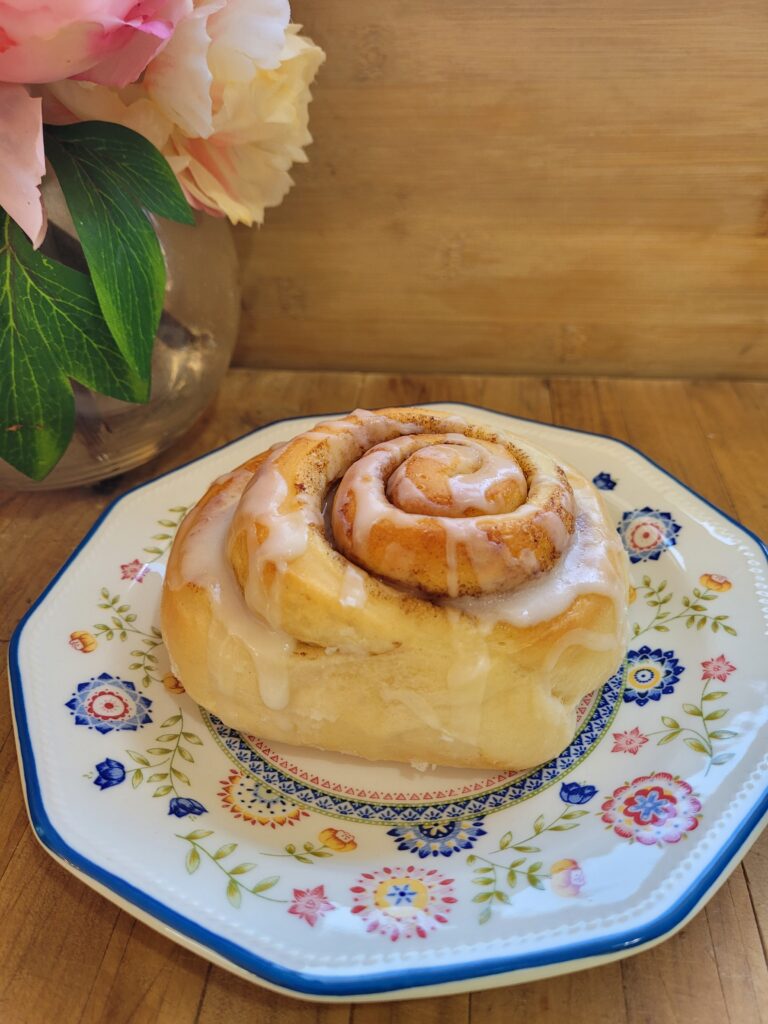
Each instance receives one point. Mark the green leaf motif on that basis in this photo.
(224, 851)
(51, 330)
(715, 695)
(192, 861)
(697, 745)
(199, 833)
(241, 869)
(110, 177)
(714, 715)
(265, 883)
(691, 709)
(233, 893)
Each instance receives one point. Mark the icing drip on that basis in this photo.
(353, 593)
(584, 568)
(205, 563)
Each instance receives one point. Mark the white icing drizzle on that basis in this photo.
(353, 594)
(205, 563)
(584, 568)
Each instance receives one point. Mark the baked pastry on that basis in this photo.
(401, 585)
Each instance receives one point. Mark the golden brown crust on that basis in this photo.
(391, 675)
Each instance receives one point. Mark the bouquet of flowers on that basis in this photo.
(140, 109)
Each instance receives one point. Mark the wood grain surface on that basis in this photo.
(68, 955)
(511, 186)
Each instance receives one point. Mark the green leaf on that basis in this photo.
(661, 629)
(563, 828)
(233, 893)
(723, 734)
(714, 715)
(511, 878)
(505, 840)
(51, 330)
(538, 825)
(192, 862)
(729, 629)
(138, 778)
(669, 737)
(501, 896)
(722, 758)
(158, 777)
(166, 737)
(483, 871)
(265, 883)
(670, 723)
(199, 833)
(485, 916)
(110, 177)
(517, 863)
(697, 745)
(191, 738)
(471, 858)
(138, 758)
(290, 848)
(523, 848)
(535, 881)
(715, 695)
(241, 869)
(482, 881)
(180, 776)
(163, 791)
(646, 581)
(158, 751)
(575, 814)
(224, 851)
(482, 897)
(691, 709)
(183, 752)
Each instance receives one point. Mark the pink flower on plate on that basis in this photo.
(653, 809)
(134, 570)
(567, 877)
(310, 904)
(717, 668)
(628, 742)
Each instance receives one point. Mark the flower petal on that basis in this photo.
(22, 163)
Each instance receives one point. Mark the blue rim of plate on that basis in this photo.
(339, 986)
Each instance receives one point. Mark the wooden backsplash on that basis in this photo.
(542, 187)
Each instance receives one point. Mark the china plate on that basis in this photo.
(327, 877)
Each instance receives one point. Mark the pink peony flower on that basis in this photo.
(226, 102)
(22, 164)
(717, 668)
(310, 904)
(107, 41)
(567, 877)
(628, 742)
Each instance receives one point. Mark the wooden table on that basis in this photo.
(68, 955)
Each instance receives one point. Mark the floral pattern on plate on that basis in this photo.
(243, 841)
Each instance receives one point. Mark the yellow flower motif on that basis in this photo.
(82, 641)
(567, 878)
(172, 684)
(337, 839)
(713, 581)
(632, 595)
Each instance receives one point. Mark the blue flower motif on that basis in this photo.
(438, 838)
(604, 481)
(650, 675)
(181, 806)
(573, 793)
(110, 773)
(645, 533)
(105, 703)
